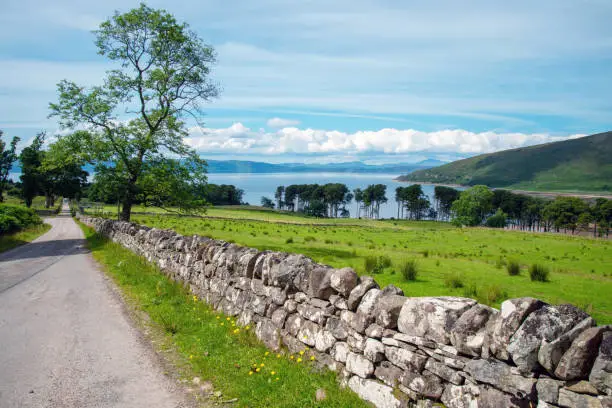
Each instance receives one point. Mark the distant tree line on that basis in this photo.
(46, 171)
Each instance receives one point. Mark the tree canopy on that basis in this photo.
(137, 115)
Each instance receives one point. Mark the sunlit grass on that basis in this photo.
(24, 236)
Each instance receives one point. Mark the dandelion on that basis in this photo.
(277, 378)
(247, 328)
(258, 369)
(299, 360)
(262, 365)
(222, 324)
(250, 373)
(302, 353)
(218, 317)
(195, 298)
(272, 372)
(291, 357)
(191, 356)
(278, 356)
(227, 318)
(312, 358)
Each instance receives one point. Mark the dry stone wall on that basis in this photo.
(390, 349)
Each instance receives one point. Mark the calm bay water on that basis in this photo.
(257, 185)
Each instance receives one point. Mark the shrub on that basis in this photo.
(309, 238)
(409, 270)
(513, 268)
(289, 240)
(499, 220)
(453, 280)
(538, 273)
(425, 253)
(14, 218)
(369, 263)
(385, 261)
(492, 294)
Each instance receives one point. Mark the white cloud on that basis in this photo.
(239, 139)
(281, 123)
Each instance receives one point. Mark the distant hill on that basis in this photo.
(583, 164)
(237, 166)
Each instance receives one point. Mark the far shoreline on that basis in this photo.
(526, 192)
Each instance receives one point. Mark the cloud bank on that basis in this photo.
(239, 139)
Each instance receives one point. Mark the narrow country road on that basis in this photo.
(65, 340)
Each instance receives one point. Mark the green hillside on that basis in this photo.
(580, 165)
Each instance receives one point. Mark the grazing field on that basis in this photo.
(474, 262)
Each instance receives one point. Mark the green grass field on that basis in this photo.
(211, 346)
(16, 239)
(450, 261)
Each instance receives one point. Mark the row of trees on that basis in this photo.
(500, 208)
(327, 200)
(44, 171)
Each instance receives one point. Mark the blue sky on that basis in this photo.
(379, 81)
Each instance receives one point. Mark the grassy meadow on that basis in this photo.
(469, 262)
(10, 241)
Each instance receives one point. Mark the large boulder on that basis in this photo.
(468, 332)
(432, 317)
(546, 323)
(578, 360)
(601, 373)
(551, 352)
(501, 328)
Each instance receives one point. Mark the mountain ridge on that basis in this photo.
(581, 164)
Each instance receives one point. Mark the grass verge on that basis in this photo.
(211, 344)
(24, 236)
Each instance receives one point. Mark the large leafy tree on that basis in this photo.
(8, 156)
(137, 115)
(473, 206)
(31, 158)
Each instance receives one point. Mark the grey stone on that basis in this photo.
(291, 305)
(396, 343)
(577, 362)
(356, 341)
(319, 283)
(293, 323)
(460, 396)
(366, 283)
(444, 371)
(601, 373)
(293, 344)
(368, 302)
(548, 389)
(546, 323)
(300, 297)
(512, 314)
(374, 350)
(388, 373)
(340, 351)
(269, 334)
(388, 309)
(392, 290)
(550, 353)
(324, 340)
(337, 327)
(312, 313)
(344, 281)
(468, 332)
(307, 333)
(426, 384)
(278, 317)
(500, 376)
(374, 331)
(568, 399)
(359, 365)
(406, 359)
(417, 341)
(382, 396)
(492, 398)
(582, 387)
(432, 317)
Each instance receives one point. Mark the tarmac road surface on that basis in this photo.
(65, 340)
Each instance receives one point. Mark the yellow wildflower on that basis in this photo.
(227, 318)
(312, 358)
(191, 356)
(272, 372)
(218, 317)
(302, 353)
(258, 369)
(250, 373)
(291, 357)
(262, 365)
(277, 378)
(299, 360)
(267, 353)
